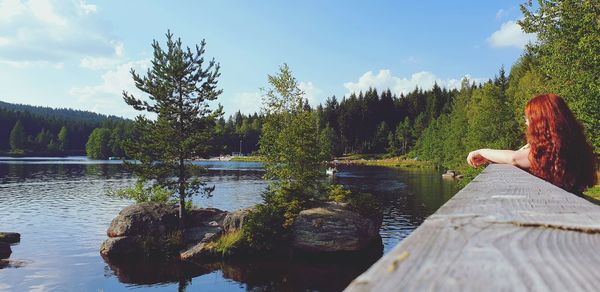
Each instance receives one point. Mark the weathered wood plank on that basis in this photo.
(507, 230)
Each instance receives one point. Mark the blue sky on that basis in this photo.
(78, 53)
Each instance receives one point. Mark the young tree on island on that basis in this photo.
(291, 146)
(179, 83)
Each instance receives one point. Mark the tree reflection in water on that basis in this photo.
(325, 272)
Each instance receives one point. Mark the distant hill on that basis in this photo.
(60, 113)
(38, 119)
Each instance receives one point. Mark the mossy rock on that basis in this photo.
(10, 237)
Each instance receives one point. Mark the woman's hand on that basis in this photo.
(475, 159)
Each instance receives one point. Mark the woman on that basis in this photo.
(557, 150)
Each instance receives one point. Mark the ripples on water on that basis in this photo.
(62, 210)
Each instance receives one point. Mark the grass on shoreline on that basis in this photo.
(594, 192)
(382, 160)
(247, 158)
(362, 159)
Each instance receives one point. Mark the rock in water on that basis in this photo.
(200, 217)
(236, 219)
(332, 227)
(10, 237)
(124, 245)
(149, 228)
(145, 219)
(5, 250)
(199, 252)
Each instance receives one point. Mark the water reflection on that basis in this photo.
(299, 272)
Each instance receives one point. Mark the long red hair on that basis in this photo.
(559, 151)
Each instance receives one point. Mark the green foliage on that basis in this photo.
(326, 143)
(229, 242)
(264, 230)
(139, 193)
(402, 138)
(166, 245)
(491, 120)
(364, 203)
(479, 117)
(63, 139)
(179, 85)
(290, 141)
(97, 145)
(337, 193)
(34, 119)
(17, 137)
(567, 52)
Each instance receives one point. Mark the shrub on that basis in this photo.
(363, 203)
(265, 229)
(229, 242)
(139, 193)
(166, 245)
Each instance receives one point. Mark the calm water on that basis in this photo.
(62, 210)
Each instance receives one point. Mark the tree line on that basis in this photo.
(29, 130)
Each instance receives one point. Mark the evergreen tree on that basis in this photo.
(179, 84)
(18, 138)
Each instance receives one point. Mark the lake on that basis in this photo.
(62, 209)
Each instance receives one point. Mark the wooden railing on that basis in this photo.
(506, 230)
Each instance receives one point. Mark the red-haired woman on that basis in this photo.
(557, 150)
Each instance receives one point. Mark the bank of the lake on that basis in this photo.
(62, 210)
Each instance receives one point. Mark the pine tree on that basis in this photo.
(179, 84)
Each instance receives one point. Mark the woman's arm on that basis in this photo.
(519, 158)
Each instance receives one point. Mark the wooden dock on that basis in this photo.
(505, 231)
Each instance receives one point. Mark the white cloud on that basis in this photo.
(52, 32)
(4, 41)
(10, 9)
(106, 97)
(510, 34)
(311, 93)
(386, 80)
(246, 102)
(44, 11)
(87, 8)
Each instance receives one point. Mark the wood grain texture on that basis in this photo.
(505, 231)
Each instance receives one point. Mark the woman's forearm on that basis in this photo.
(498, 156)
(518, 158)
